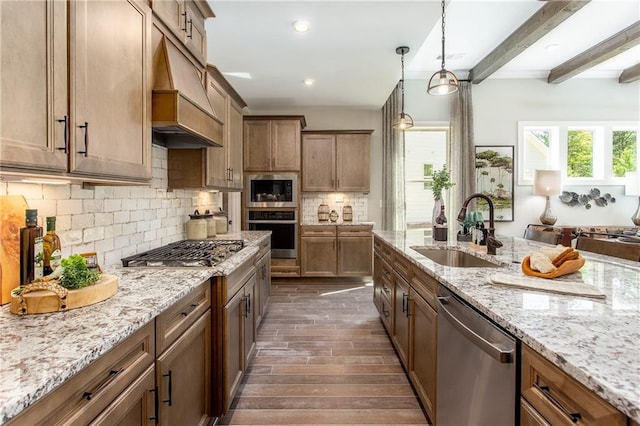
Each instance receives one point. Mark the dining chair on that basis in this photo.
(549, 237)
(610, 247)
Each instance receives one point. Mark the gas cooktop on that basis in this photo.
(187, 253)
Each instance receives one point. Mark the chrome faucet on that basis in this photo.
(492, 242)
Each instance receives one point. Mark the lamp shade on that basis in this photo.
(632, 183)
(547, 182)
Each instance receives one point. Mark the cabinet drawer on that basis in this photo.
(80, 399)
(174, 321)
(529, 416)
(425, 285)
(264, 248)
(318, 231)
(385, 315)
(354, 231)
(402, 266)
(382, 248)
(386, 281)
(558, 397)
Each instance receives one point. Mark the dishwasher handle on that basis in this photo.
(501, 355)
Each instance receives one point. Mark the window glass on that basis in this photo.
(625, 152)
(579, 153)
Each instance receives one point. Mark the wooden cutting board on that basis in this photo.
(12, 214)
(44, 301)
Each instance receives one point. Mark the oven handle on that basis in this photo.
(499, 354)
(273, 221)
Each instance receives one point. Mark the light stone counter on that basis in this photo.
(596, 342)
(339, 222)
(40, 352)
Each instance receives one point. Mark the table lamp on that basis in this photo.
(632, 187)
(547, 182)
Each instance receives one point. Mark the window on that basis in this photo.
(425, 152)
(586, 152)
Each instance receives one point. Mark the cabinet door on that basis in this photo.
(171, 13)
(257, 145)
(377, 282)
(183, 375)
(249, 326)
(285, 145)
(422, 363)
(234, 148)
(217, 173)
(354, 256)
(318, 256)
(233, 354)
(195, 35)
(529, 416)
(352, 163)
(318, 163)
(110, 89)
(33, 87)
(400, 333)
(134, 407)
(265, 283)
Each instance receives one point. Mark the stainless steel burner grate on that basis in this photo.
(186, 253)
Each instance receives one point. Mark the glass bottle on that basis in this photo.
(31, 250)
(441, 220)
(52, 247)
(440, 227)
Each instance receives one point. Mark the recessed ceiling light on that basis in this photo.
(308, 81)
(244, 75)
(301, 26)
(552, 47)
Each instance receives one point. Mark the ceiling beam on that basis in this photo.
(630, 74)
(607, 49)
(538, 25)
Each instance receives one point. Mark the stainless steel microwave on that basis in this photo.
(271, 190)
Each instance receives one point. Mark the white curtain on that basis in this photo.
(462, 149)
(393, 200)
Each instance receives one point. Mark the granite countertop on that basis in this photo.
(339, 222)
(597, 342)
(40, 352)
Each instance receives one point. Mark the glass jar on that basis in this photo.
(211, 224)
(222, 222)
(196, 226)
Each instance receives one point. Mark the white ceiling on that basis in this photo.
(350, 48)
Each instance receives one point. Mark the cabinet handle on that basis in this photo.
(185, 22)
(85, 126)
(574, 417)
(248, 304)
(170, 387)
(112, 375)
(155, 404)
(65, 120)
(189, 310)
(405, 299)
(385, 313)
(190, 34)
(231, 174)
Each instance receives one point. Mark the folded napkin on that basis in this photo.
(577, 288)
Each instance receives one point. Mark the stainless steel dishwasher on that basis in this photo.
(476, 373)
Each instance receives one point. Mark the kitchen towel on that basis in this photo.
(576, 288)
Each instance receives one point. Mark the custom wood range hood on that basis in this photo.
(181, 113)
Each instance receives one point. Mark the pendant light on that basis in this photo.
(403, 121)
(442, 82)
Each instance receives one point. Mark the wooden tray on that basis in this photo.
(44, 301)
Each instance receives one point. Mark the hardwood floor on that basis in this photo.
(323, 357)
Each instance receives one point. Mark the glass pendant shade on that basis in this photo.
(403, 121)
(442, 82)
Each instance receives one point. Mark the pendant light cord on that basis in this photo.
(442, 34)
(402, 86)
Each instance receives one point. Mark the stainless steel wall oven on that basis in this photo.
(283, 225)
(272, 190)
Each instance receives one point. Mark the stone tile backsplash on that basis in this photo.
(116, 221)
(336, 200)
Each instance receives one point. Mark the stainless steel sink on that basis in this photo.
(453, 257)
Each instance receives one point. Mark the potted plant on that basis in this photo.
(441, 181)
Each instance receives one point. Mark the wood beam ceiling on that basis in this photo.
(630, 74)
(607, 49)
(544, 20)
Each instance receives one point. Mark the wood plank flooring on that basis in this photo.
(323, 357)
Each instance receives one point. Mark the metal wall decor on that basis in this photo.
(594, 196)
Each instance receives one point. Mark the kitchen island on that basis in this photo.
(597, 342)
(40, 352)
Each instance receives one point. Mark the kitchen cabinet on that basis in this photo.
(336, 161)
(336, 250)
(185, 19)
(234, 333)
(551, 396)
(117, 381)
(400, 335)
(213, 168)
(85, 105)
(263, 281)
(383, 290)
(272, 143)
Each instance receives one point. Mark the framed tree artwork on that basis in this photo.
(494, 178)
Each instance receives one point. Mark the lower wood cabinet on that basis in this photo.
(330, 251)
(263, 282)
(400, 335)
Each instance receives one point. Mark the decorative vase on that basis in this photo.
(440, 229)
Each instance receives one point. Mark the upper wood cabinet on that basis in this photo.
(97, 127)
(272, 143)
(336, 161)
(185, 19)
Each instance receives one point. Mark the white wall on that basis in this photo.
(498, 105)
(333, 118)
